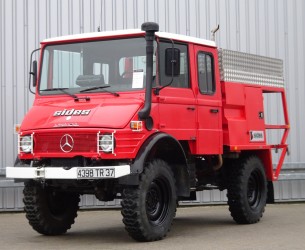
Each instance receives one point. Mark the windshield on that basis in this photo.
(98, 66)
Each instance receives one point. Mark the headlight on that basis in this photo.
(106, 143)
(26, 144)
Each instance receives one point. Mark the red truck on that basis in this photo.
(149, 118)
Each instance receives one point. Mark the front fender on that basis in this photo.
(165, 147)
(152, 148)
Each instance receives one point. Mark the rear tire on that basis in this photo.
(49, 212)
(247, 190)
(148, 209)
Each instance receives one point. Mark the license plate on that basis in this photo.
(94, 173)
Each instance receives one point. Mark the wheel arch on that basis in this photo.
(266, 158)
(165, 147)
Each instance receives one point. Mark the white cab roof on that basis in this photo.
(119, 33)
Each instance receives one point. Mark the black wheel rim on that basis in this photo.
(255, 189)
(57, 203)
(158, 201)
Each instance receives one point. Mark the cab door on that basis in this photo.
(209, 105)
(177, 102)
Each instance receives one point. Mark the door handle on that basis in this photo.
(214, 111)
(190, 108)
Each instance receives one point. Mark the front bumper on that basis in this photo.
(75, 173)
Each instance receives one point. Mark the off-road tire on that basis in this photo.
(247, 190)
(149, 208)
(49, 212)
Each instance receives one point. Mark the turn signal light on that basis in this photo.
(136, 125)
(17, 128)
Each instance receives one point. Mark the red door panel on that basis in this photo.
(177, 112)
(209, 105)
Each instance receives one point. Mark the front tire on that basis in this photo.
(148, 209)
(49, 212)
(247, 190)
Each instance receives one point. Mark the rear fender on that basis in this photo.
(266, 158)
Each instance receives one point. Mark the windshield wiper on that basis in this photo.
(100, 87)
(76, 98)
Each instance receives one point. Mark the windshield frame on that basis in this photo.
(45, 46)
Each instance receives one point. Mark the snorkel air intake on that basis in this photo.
(150, 28)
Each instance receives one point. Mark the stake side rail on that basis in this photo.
(283, 146)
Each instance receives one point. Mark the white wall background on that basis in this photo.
(273, 28)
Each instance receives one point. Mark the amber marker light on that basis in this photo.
(136, 125)
(17, 128)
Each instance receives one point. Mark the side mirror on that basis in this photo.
(172, 62)
(34, 73)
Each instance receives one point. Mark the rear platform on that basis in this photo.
(245, 79)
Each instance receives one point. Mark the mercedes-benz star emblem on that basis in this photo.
(66, 143)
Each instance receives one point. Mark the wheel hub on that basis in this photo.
(152, 200)
(254, 189)
(157, 202)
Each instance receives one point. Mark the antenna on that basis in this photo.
(100, 24)
(213, 31)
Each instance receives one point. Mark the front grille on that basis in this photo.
(50, 143)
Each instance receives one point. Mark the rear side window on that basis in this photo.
(206, 79)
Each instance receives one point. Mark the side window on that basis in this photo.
(206, 73)
(182, 80)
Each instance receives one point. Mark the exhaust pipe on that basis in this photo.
(150, 28)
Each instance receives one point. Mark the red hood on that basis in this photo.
(107, 113)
